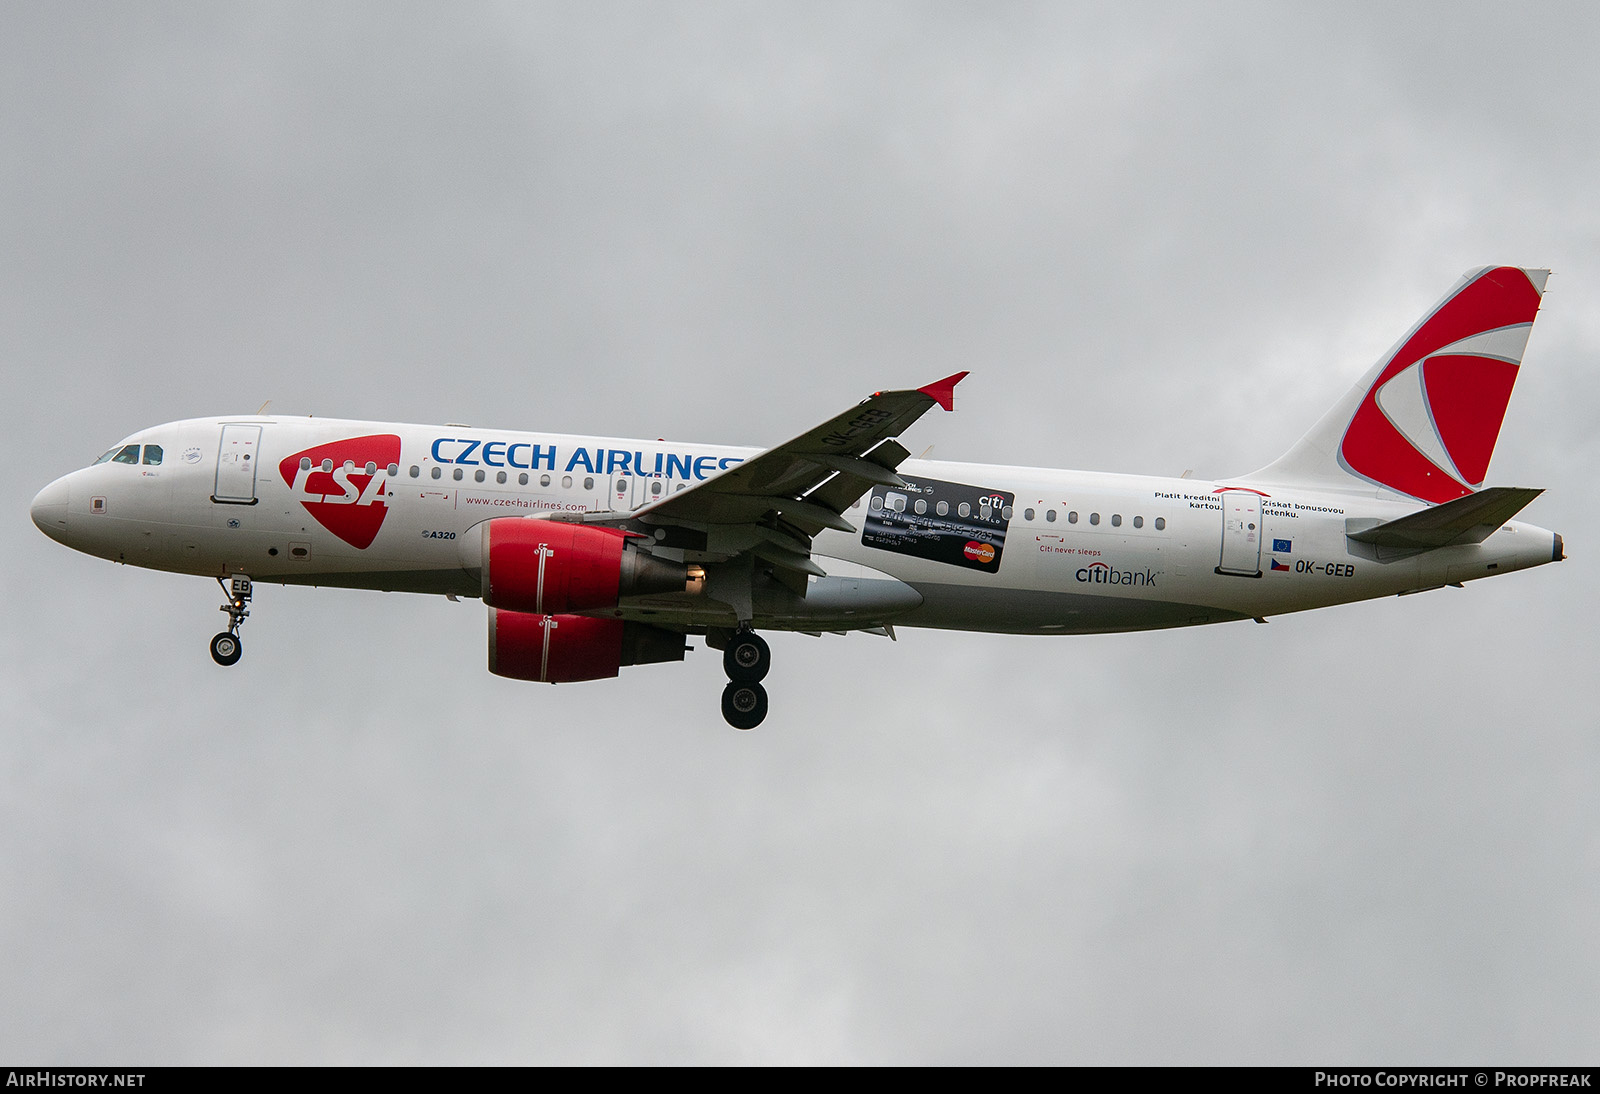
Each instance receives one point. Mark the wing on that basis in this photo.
(771, 505)
(809, 481)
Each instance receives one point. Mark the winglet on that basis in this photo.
(943, 391)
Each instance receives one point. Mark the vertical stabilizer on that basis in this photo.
(1424, 421)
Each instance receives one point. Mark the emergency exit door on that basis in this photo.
(1241, 533)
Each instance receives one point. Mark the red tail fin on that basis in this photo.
(1425, 420)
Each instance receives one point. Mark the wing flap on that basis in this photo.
(858, 476)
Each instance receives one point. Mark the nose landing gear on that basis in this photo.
(225, 647)
(746, 660)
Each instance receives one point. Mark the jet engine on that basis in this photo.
(560, 649)
(549, 567)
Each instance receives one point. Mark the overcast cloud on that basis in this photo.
(1161, 237)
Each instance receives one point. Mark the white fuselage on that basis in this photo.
(1073, 552)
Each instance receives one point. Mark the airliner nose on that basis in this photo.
(49, 510)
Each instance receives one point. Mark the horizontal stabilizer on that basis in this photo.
(1471, 519)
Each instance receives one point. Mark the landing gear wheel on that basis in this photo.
(744, 705)
(225, 649)
(747, 658)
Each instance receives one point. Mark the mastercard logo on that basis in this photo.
(980, 552)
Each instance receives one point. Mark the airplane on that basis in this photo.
(597, 553)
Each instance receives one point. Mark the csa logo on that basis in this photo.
(1429, 423)
(334, 484)
(980, 552)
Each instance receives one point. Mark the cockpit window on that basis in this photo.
(129, 453)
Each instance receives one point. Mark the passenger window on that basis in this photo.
(1116, 520)
(1161, 524)
(372, 468)
(1072, 517)
(152, 454)
(128, 454)
(1027, 514)
(327, 465)
(415, 470)
(522, 479)
(1050, 515)
(655, 489)
(920, 505)
(544, 480)
(1138, 522)
(437, 472)
(622, 486)
(458, 474)
(964, 509)
(588, 483)
(877, 504)
(500, 477)
(394, 469)
(1094, 518)
(1005, 512)
(943, 509)
(478, 475)
(566, 482)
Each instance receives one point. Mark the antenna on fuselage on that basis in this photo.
(263, 409)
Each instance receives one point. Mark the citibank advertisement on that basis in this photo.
(947, 522)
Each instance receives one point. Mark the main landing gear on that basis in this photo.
(746, 660)
(225, 647)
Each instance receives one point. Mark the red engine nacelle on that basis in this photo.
(548, 567)
(560, 649)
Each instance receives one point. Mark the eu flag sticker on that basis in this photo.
(1282, 545)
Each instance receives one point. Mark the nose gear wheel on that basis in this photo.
(226, 649)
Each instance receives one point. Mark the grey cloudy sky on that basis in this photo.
(1161, 237)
